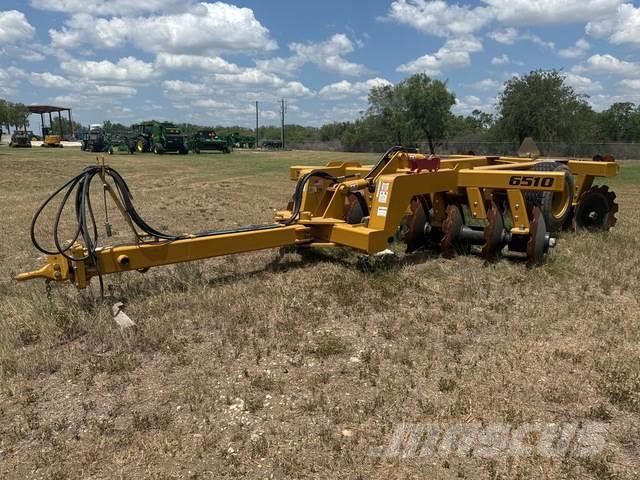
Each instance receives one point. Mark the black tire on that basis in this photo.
(556, 207)
(110, 151)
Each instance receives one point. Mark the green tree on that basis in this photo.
(387, 108)
(541, 105)
(17, 115)
(4, 112)
(480, 120)
(427, 105)
(618, 123)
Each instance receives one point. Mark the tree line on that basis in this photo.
(541, 105)
(417, 111)
(13, 115)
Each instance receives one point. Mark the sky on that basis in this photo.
(209, 62)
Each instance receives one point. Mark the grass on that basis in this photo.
(254, 366)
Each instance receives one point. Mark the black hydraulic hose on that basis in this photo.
(86, 225)
(297, 195)
(384, 159)
(87, 228)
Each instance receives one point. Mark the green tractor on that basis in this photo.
(208, 140)
(95, 140)
(159, 138)
(242, 141)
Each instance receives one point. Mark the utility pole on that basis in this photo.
(282, 111)
(256, 146)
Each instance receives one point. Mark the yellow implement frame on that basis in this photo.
(473, 185)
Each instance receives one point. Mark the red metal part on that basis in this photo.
(418, 162)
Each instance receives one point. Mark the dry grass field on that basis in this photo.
(260, 366)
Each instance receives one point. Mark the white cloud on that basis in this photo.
(49, 80)
(538, 41)
(454, 53)
(632, 84)
(204, 28)
(213, 64)
(294, 89)
(507, 36)
(282, 66)
(253, 77)
(469, 103)
(620, 26)
(609, 64)
(501, 60)
(582, 84)
(345, 88)
(601, 102)
(327, 55)
(128, 69)
(210, 103)
(577, 50)
(14, 27)
(439, 18)
(250, 76)
(115, 90)
(8, 81)
(510, 35)
(28, 53)
(545, 12)
(111, 7)
(181, 87)
(239, 86)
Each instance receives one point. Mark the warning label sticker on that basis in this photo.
(383, 193)
(382, 211)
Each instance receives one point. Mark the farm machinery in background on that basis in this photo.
(159, 138)
(50, 137)
(21, 139)
(271, 144)
(458, 204)
(96, 139)
(243, 141)
(209, 140)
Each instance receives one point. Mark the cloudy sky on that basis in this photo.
(183, 60)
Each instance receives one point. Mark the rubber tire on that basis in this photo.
(544, 200)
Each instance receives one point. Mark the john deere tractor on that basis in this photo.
(94, 140)
(208, 140)
(159, 138)
(242, 141)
